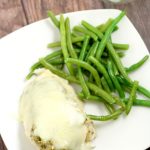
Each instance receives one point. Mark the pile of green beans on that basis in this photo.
(94, 63)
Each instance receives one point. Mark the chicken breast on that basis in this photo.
(53, 116)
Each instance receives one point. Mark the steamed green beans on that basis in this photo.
(105, 85)
(108, 117)
(83, 30)
(138, 64)
(94, 63)
(80, 74)
(64, 43)
(98, 91)
(107, 35)
(48, 57)
(117, 61)
(132, 97)
(139, 102)
(103, 27)
(92, 50)
(102, 69)
(140, 88)
(53, 18)
(69, 40)
(86, 66)
(121, 46)
(108, 45)
(115, 81)
(58, 44)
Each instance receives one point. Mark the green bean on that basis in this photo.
(77, 39)
(120, 54)
(102, 70)
(90, 97)
(115, 28)
(64, 43)
(108, 117)
(53, 18)
(80, 38)
(101, 36)
(107, 35)
(58, 44)
(140, 88)
(132, 97)
(94, 98)
(38, 64)
(29, 75)
(57, 61)
(87, 67)
(50, 56)
(54, 44)
(80, 75)
(58, 72)
(92, 29)
(76, 34)
(139, 102)
(138, 64)
(92, 50)
(83, 30)
(144, 91)
(51, 68)
(100, 92)
(109, 47)
(103, 27)
(105, 85)
(84, 48)
(68, 39)
(115, 81)
(83, 84)
(115, 70)
(117, 61)
(121, 46)
(100, 28)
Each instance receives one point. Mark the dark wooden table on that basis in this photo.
(15, 14)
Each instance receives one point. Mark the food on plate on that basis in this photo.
(93, 61)
(53, 116)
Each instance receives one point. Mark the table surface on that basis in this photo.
(15, 14)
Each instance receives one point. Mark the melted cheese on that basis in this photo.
(50, 105)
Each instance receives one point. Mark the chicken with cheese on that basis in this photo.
(53, 116)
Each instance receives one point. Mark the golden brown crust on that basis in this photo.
(90, 130)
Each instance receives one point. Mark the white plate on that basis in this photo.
(22, 48)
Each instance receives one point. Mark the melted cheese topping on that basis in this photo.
(50, 105)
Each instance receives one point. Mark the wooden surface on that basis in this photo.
(17, 13)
